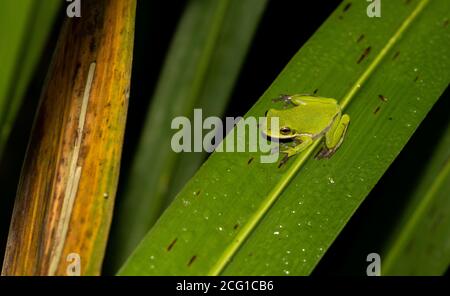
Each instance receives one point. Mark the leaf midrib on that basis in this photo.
(245, 231)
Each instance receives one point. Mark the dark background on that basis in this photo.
(272, 48)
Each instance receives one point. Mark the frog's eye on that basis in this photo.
(285, 131)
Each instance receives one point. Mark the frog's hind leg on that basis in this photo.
(334, 136)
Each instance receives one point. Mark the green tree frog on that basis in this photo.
(310, 118)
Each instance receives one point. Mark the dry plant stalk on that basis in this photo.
(66, 193)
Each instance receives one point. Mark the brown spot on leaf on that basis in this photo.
(197, 193)
(88, 234)
(446, 23)
(383, 98)
(192, 260)
(315, 91)
(417, 78)
(364, 54)
(360, 38)
(347, 7)
(250, 160)
(236, 226)
(169, 247)
(396, 55)
(376, 110)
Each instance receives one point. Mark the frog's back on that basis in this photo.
(313, 119)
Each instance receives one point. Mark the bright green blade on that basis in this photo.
(238, 216)
(420, 244)
(24, 29)
(203, 63)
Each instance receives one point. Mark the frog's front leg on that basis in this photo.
(303, 143)
(335, 136)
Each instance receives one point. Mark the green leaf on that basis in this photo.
(420, 244)
(24, 29)
(240, 217)
(203, 63)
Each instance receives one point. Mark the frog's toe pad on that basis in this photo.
(325, 153)
(283, 160)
